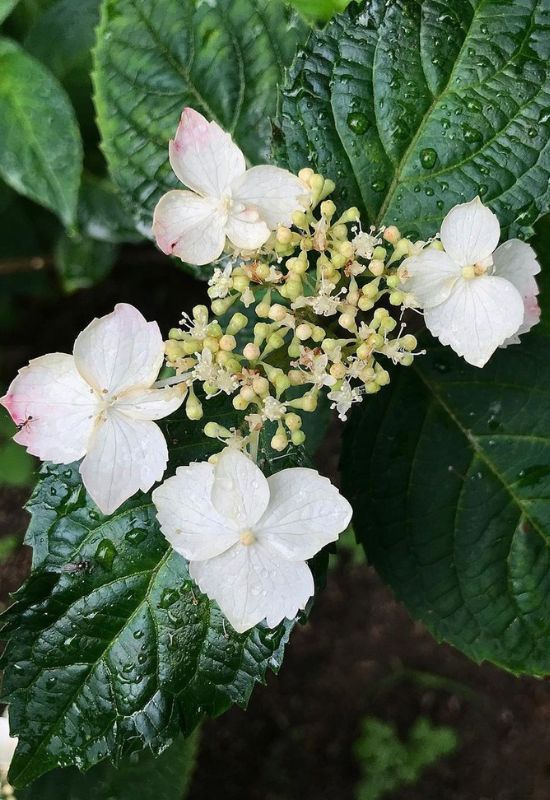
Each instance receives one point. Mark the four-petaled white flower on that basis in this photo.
(476, 297)
(246, 537)
(226, 199)
(7, 745)
(99, 403)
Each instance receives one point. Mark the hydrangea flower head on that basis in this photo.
(476, 296)
(223, 199)
(99, 404)
(247, 537)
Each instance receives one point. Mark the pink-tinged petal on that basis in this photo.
(152, 403)
(254, 583)
(187, 516)
(119, 351)
(429, 276)
(517, 262)
(189, 227)
(240, 491)
(246, 230)
(274, 192)
(205, 157)
(305, 513)
(55, 408)
(531, 317)
(478, 317)
(124, 456)
(470, 233)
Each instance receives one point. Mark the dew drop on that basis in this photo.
(168, 598)
(471, 134)
(428, 157)
(358, 122)
(136, 536)
(105, 553)
(378, 185)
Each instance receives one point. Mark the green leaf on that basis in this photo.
(223, 57)
(413, 107)
(112, 648)
(16, 465)
(389, 764)
(6, 7)
(40, 147)
(101, 214)
(449, 476)
(70, 60)
(142, 777)
(82, 262)
(319, 9)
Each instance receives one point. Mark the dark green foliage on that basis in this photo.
(413, 107)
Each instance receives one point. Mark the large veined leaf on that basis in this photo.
(40, 146)
(141, 777)
(413, 107)
(449, 476)
(153, 57)
(111, 647)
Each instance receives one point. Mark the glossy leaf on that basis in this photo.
(321, 10)
(112, 648)
(70, 59)
(414, 107)
(142, 777)
(101, 214)
(224, 58)
(449, 475)
(40, 147)
(82, 262)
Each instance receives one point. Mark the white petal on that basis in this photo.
(517, 262)
(124, 455)
(274, 192)
(430, 276)
(479, 316)
(187, 517)
(254, 583)
(189, 227)
(7, 744)
(119, 351)
(203, 156)
(55, 408)
(305, 513)
(152, 403)
(247, 231)
(470, 233)
(240, 491)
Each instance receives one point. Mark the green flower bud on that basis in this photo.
(298, 438)
(236, 323)
(222, 306)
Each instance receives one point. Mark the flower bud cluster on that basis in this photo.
(309, 312)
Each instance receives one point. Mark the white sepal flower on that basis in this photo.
(225, 199)
(7, 745)
(99, 404)
(247, 537)
(475, 297)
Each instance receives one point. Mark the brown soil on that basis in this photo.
(360, 654)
